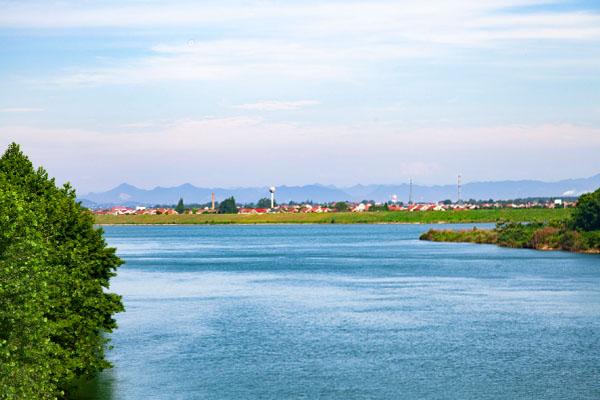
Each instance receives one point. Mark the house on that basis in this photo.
(396, 207)
(246, 210)
(306, 208)
(120, 210)
(361, 207)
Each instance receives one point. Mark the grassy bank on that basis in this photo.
(471, 216)
(530, 236)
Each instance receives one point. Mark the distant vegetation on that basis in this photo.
(265, 202)
(587, 214)
(580, 232)
(180, 207)
(463, 216)
(228, 206)
(341, 206)
(54, 269)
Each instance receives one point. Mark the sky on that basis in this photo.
(259, 93)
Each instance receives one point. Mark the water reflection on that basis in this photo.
(101, 387)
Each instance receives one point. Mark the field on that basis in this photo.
(426, 217)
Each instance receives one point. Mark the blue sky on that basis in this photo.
(244, 93)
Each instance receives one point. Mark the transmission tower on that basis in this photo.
(458, 190)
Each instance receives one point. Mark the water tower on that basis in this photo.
(272, 191)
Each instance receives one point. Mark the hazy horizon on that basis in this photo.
(256, 93)
(416, 183)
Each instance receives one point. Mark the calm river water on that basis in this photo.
(348, 312)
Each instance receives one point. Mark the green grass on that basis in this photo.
(426, 217)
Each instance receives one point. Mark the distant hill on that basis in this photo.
(126, 194)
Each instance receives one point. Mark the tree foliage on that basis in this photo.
(54, 269)
(586, 215)
(228, 206)
(180, 207)
(341, 206)
(265, 202)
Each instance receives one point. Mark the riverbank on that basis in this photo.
(532, 236)
(399, 217)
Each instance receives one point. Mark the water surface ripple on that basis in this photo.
(348, 312)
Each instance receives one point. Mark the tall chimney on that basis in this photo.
(213, 200)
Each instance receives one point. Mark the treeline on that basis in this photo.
(54, 269)
(580, 233)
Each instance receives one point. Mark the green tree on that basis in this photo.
(341, 206)
(586, 215)
(180, 208)
(265, 202)
(54, 269)
(228, 206)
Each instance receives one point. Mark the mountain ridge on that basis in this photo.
(127, 194)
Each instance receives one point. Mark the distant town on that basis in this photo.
(268, 206)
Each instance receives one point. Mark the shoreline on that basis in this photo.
(536, 239)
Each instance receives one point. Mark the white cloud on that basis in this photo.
(440, 21)
(277, 105)
(243, 151)
(301, 41)
(215, 61)
(218, 134)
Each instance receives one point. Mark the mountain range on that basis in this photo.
(126, 194)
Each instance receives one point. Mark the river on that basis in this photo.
(347, 312)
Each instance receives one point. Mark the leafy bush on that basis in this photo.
(54, 267)
(592, 240)
(469, 236)
(586, 215)
(516, 235)
(545, 238)
(572, 241)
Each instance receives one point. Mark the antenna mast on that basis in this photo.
(458, 190)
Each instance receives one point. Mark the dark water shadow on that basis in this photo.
(101, 387)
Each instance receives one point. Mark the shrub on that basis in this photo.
(545, 238)
(516, 234)
(572, 241)
(592, 240)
